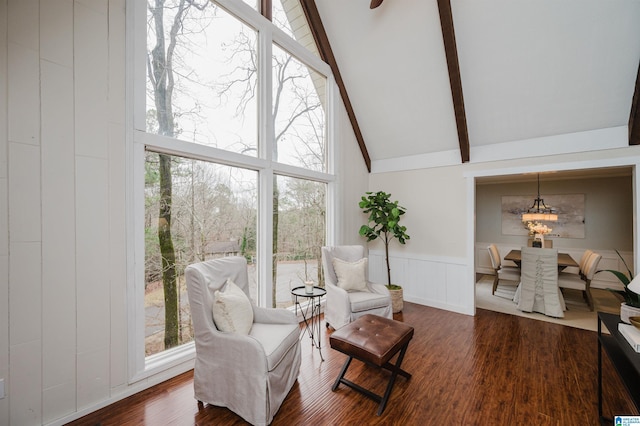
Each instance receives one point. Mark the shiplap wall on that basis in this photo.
(63, 64)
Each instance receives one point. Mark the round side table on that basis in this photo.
(310, 314)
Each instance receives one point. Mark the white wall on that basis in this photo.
(63, 257)
(436, 209)
(431, 266)
(353, 180)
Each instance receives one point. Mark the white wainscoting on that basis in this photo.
(439, 282)
(610, 260)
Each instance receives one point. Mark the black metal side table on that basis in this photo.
(311, 314)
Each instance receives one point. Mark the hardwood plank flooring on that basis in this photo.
(491, 369)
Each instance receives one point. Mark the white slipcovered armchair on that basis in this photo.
(249, 374)
(344, 306)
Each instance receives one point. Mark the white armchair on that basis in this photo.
(344, 306)
(249, 374)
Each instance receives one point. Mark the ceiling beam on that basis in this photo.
(634, 116)
(265, 8)
(326, 53)
(451, 52)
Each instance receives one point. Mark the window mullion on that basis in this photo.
(265, 94)
(265, 234)
(172, 146)
(266, 136)
(294, 48)
(334, 196)
(299, 172)
(136, 40)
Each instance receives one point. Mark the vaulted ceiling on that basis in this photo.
(526, 70)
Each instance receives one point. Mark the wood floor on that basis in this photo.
(491, 369)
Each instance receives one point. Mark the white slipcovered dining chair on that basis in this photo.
(501, 272)
(249, 373)
(582, 282)
(538, 290)
(345, 304)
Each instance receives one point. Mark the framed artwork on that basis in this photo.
(570, 208)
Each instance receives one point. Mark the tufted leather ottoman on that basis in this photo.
(374, 340)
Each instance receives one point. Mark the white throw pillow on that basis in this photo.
(351, 275)
(232, 309)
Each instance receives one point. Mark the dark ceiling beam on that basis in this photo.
(634, 117)
(322, 41)
(265, 8)
(451, 52)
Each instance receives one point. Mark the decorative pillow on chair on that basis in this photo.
(351, 275)
(232, 309)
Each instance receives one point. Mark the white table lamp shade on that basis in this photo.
(634, 285)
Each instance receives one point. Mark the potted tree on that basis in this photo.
(384, 222)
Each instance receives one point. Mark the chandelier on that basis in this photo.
(539, 210)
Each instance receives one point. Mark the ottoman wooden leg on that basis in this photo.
(341, 375)
(382, 400)
(395, 371)
(352, 385)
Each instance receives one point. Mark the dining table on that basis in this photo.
(564, 259)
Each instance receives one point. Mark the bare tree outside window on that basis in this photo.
(214, 212)
(301, 234)
(209, 49)
(298, 113)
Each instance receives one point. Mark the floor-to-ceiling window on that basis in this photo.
(231, 148)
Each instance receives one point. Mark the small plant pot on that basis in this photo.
(627, 311)
(396, 300)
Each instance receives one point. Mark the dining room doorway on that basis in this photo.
(610, 205)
